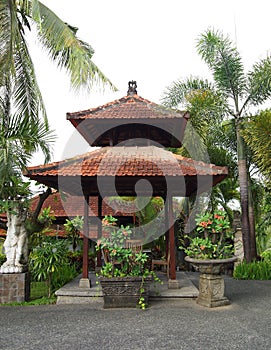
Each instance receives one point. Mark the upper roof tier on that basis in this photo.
(130, 118)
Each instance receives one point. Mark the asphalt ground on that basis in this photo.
(167, 324)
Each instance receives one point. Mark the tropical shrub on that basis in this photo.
(73, 228)
(47, 260)
(257, 270)
(63, 275)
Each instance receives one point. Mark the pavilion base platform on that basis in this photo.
(71, 293)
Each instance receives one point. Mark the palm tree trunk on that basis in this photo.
(253, 247)
(244, 193)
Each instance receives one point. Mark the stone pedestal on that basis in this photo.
(211, 291)
(14, 287)
(173, 284)
(84, 283)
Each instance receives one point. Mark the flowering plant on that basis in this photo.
(120, 259)
(214, 238)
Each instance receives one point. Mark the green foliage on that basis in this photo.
(263, 218)
(38, 290)
(37, 230)
(46, 216)
(75, 259)
(122, 261)
(63, 275)
(259, 82)
(266, 255)
(73, 228)
(47, 260)
(56, 37)
(256, 133)
(150, 214)
(2, 259)
(24, 126)
(39, 301)
(213, 237)
(257, 270)
(2, 241)
(237, 91)
(224, 61)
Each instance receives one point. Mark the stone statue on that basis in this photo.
(16, 243)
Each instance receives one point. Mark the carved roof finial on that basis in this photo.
(132, 88)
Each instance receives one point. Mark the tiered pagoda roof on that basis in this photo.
(132, 132)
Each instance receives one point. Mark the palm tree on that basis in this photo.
(19, 139)
(23, 123)
(17, 76)
(239, 92)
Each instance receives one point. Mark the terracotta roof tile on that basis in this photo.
(68, 205)
(128, 107)
(127, 161)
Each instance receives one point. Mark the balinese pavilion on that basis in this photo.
(132, 160)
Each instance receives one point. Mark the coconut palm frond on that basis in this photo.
(224, 61)
(69, 52)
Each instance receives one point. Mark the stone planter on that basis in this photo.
(121, 292)
(211, 283)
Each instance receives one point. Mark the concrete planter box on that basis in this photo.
(122, 292)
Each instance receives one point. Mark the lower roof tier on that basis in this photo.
(118, 171)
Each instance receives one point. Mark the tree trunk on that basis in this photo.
(253, 247)
(244, 193)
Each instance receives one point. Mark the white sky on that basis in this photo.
(150, 41)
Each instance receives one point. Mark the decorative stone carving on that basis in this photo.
(16, 243)
(211, 291)
(124, 291)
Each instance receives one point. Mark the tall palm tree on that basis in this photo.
(23, 123)
(239, 92)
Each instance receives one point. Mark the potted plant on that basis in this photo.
(124, 277)
(209, 251)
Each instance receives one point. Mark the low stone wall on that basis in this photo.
(14, 287)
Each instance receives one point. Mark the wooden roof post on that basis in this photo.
(85, 281)
(99, 253)
(166, 226)
(173, 282)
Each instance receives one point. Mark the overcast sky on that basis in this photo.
(150, 41)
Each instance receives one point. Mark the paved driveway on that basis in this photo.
(170, 325)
